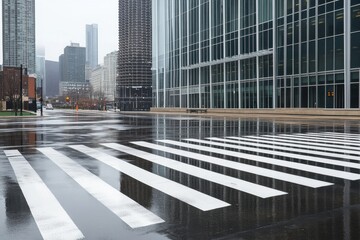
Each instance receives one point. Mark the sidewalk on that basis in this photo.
(8, 114)
(269, 113)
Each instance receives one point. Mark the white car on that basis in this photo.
(49, 106)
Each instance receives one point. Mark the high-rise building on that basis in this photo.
(110, 64)
(40, 71)
(103, 78)
(134, 78)
(72, 68)
(97, 82)
(92, 45)
(52, 77)
(19, 34)
(256, 54)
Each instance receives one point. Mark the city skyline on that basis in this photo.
(57, 26)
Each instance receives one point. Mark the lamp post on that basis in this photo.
(21, 88)
(41, 97)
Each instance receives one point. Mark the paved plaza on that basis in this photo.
(103, 175)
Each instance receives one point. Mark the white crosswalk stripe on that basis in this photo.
(125, 208)
(322, 139)
(279, 153)
(335, 155)
(293, 148)
(308, 182)
(52, 220)
(330, 143)
(244, 186)
(188, 195)
(305, 144)
(301, 148)
(333, 135)
(337, 135)
(283, 163)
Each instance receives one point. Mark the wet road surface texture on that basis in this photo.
(97, 175)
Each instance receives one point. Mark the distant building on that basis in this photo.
(88, 71)
(97, 82)
(92, 45)
(134, 80)
(103, 78)
(19, 33)
(52, 77)
(110, 64)
(72, 68)
(40, 70)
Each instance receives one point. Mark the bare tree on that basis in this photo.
(12, 88)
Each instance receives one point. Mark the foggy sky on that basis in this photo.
(60, 22)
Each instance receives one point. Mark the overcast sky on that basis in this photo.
(59, 22)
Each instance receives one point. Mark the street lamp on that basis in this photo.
(21, 88)
(41, 98)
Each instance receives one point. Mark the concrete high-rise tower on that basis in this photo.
(19, 34)
(72, 69)
(134, 77)
(92, 45)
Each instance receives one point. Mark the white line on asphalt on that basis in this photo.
(294, 148)
(124, 207)
(344, 133)
(332, 143)
(304, 181)
(52, 220)
(326, 134)
(304, 144)
(322, 139)
(231, 182)
(355, 135)
(273, 161)
(284, 154)
(188, 195)
(346, 136)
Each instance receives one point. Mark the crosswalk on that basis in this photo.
(282, 157)
(51, 219)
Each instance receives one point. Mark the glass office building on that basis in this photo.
(256, 53)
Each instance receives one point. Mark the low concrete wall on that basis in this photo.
(295, 111)
(2, 106)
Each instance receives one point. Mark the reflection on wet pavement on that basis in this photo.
(317, 170)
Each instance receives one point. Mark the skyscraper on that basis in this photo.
(110, 63)
(92, 45)
(72, 68)
(40, 70)
(103, 78)
(134, 78)
(52, 77)
(256, 54)
(19, 34)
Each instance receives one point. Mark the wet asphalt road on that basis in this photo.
(67, 171)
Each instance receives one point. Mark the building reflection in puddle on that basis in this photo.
(325, 213)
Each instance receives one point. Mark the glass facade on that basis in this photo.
(256, 53)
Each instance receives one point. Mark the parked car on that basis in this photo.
(49, 106)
